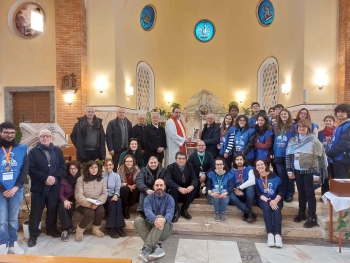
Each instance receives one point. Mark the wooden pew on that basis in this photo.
(10, 258)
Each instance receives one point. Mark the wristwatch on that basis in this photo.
(268, 201)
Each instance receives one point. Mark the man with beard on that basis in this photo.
(244, 183)
(146, 178)
(88, 137)
(13, 170)
(46, 168)
(159, 210)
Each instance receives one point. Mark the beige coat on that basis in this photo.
(93, 189)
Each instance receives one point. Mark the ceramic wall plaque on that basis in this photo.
(148, 17)
(265, 12)
(204, 30)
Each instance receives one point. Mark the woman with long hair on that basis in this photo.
(263, 139)
(227, 135)
(269, 196)
(134, 150)
(90, 195)
(324, 137)
(306, 162)
(66, 206)
(115, 221)
(283, 131)
(244, 139)
(304, 114)
(129, 193)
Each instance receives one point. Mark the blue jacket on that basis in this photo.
(18, 167)
(273, 186)
(280, 142)
(159, 205)
(244, 142)
(235, 174)
(227, 142)
(339, 143)
(227, 182)
(262, 153)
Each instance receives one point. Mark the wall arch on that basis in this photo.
(144, 87)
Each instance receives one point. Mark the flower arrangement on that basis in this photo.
(161, 110)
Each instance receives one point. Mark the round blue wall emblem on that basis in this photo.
(265, 12)
(204, 30)
(148, 17)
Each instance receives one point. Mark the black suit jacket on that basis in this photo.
(211, 137)
(173, 177)
(154, 138)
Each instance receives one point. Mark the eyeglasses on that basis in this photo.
(45, 136)
(303, 113)
(9, 133)
(302, 126)
(181, 158)
(201, 145)
(73, 168)
(109, 164)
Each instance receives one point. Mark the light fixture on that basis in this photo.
(240, 97)
(321, 80)
(168, 98)
(286, 88)
(101, 84)
(68, 97)
(129, 91)
(37, 20)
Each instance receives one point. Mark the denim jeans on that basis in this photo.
(9, 209)
(287, 184)
(220, 204)
(272, 218)
(248, 198)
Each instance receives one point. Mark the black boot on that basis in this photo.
(245, 215)
(311, 221)
(126, 212)
(301, 216)
(251, 216)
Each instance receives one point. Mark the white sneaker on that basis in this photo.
(16, 249)
(271, 240)
(279, 242)
(3, 249)
(158, 253)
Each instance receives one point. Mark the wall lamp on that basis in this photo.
(69, 87)
(168, 98)
(321, 80)
(129, 91)
(240, 98)
(285, 88)
(101, 84)
(68, 97)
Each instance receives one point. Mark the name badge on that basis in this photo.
(7, 176)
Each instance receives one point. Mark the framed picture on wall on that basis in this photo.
(21, 19)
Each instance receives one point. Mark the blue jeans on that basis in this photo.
(287, 184)
(220, 204)
(272, 218)
(248, 198)
(9, 209)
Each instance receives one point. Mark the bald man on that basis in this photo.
(159, 210)
(88, 137)
(138, 131)
(211, 135)
(118, 135)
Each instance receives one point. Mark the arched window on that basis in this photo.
(145, 87)
(268, 83)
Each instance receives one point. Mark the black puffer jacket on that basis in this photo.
(145, 179)
(114, 135)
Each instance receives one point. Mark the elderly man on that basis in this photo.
(146, 178)
(139, 129)
(159, 209)
(182, 183)
(118, 135)
(13, 170)
(88, 137)
(175, 136)
(211, 135)
(155, 139)
(202, 162)
(46, 168)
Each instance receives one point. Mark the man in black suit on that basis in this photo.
(211, 135)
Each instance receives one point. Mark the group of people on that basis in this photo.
(232, 162)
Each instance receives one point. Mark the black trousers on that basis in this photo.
(115, 158)
(341, 170)
(115, 217)
(306, 192)
(186, 199)
(325, 183)
(38, 203)
(91, 155)
(129, 198)
(65, 215)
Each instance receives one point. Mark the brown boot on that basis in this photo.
(97, 232)
(79, 234)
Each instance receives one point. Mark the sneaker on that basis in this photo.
(223, 217)
(65, 236)
(31, 241)
(71, 231)
(16, 249)
(278, 240)
(217, 217)
(157, 253)
(3, 249)
(144, 255)
(270, 240)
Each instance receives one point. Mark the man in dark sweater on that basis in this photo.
(138, 130)
(13, 175)
(88, 137)
(46, 168)
(182, 183)
(211, 135)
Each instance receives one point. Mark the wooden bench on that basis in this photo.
(10, 258)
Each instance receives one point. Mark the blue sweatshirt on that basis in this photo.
(159, 205)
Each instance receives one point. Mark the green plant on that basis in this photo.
(232, 103)
(18, 136)
(344, 224)
(175, 104)
(161, 110)
(247, 111)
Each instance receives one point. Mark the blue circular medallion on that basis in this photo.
(148, 17)
(265, 12)
(204, 30)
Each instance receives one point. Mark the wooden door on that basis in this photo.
(31, 107)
